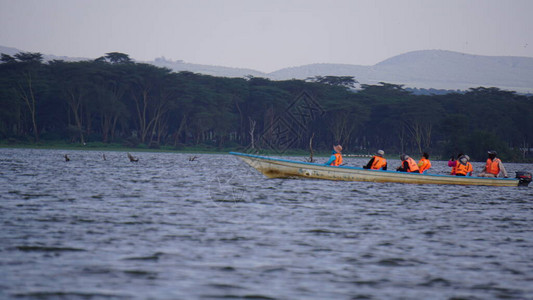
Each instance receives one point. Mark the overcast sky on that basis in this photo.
(267, 35)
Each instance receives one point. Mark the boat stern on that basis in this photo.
(524, 178)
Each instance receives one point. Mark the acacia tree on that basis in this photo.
(266, 103)
(343, 123)
(115, 58)
(384, 127)
(183, 105)
(151, 98)
(74, 80)
(111, 89)
(26, 67)
(344, 81)
(166, 98)
(346, 114)
(420, 115)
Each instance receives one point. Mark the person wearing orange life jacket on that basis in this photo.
(463, 167)
(408, 165)
(453, 162)
(377, 162)
(493, 166)
(424, 164)
(336, 157)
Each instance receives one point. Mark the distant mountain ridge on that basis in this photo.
(179, 66)
(47, 57)
(423, 69)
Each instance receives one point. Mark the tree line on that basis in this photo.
(115, 100)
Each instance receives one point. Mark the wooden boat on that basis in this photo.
(283, 168)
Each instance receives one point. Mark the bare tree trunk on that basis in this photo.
(113, 127)
(241, 118)
(29, 99)
(251, 132)
(180, 129)
(414, 129)
(88, 120)
(421, 134)
(75, 106)
(311, 159)
(106, 123)
(401, 137)
(155, 124)
(427, 135)
(141, 106)
(525, 149)
(163, 127)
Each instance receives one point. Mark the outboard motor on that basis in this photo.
(524, 178)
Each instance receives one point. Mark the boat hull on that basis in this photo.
(281, 168)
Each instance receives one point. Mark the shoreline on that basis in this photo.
(184, 150)
(197, 150)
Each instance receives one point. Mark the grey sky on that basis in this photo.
(267, 35)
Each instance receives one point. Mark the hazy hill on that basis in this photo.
(9, 50)
(423, 69)
(431, 69)
(180, 65)
(446, 69)
(47, 57)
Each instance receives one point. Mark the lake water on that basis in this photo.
(169, 228)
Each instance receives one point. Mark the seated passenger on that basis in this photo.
(424, 164)
(493, 167)
(408, 165)
(377, 162)
(336, 156)
(452, 162)
(463, 167)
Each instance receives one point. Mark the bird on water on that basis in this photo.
(132, 158)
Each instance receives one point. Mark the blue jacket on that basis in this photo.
(331, 159)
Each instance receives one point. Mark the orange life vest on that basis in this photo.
(413, 167)
(463, 169)
(424, 164)
(338, 160)
(379, 162)
(493, 166)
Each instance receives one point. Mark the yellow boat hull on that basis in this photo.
(281, 168)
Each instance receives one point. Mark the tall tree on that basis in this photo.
(76, 85)
(151, 98)
(27, 67)
(110, 89)
(344, 81)
(115, 58)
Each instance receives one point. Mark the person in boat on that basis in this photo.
(408, 165)
(377, 162)
(463, 167)
(336, 156)
(493, 166)
(424, 164)
(452, 163)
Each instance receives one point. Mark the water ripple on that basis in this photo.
(168, 228)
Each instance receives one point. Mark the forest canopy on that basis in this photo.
(116, 100)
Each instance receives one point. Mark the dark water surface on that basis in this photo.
(170, 228)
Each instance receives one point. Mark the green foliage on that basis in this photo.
(115, 58)
(345, 81)
(113, 100)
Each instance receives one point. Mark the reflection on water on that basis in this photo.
(169, 228)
